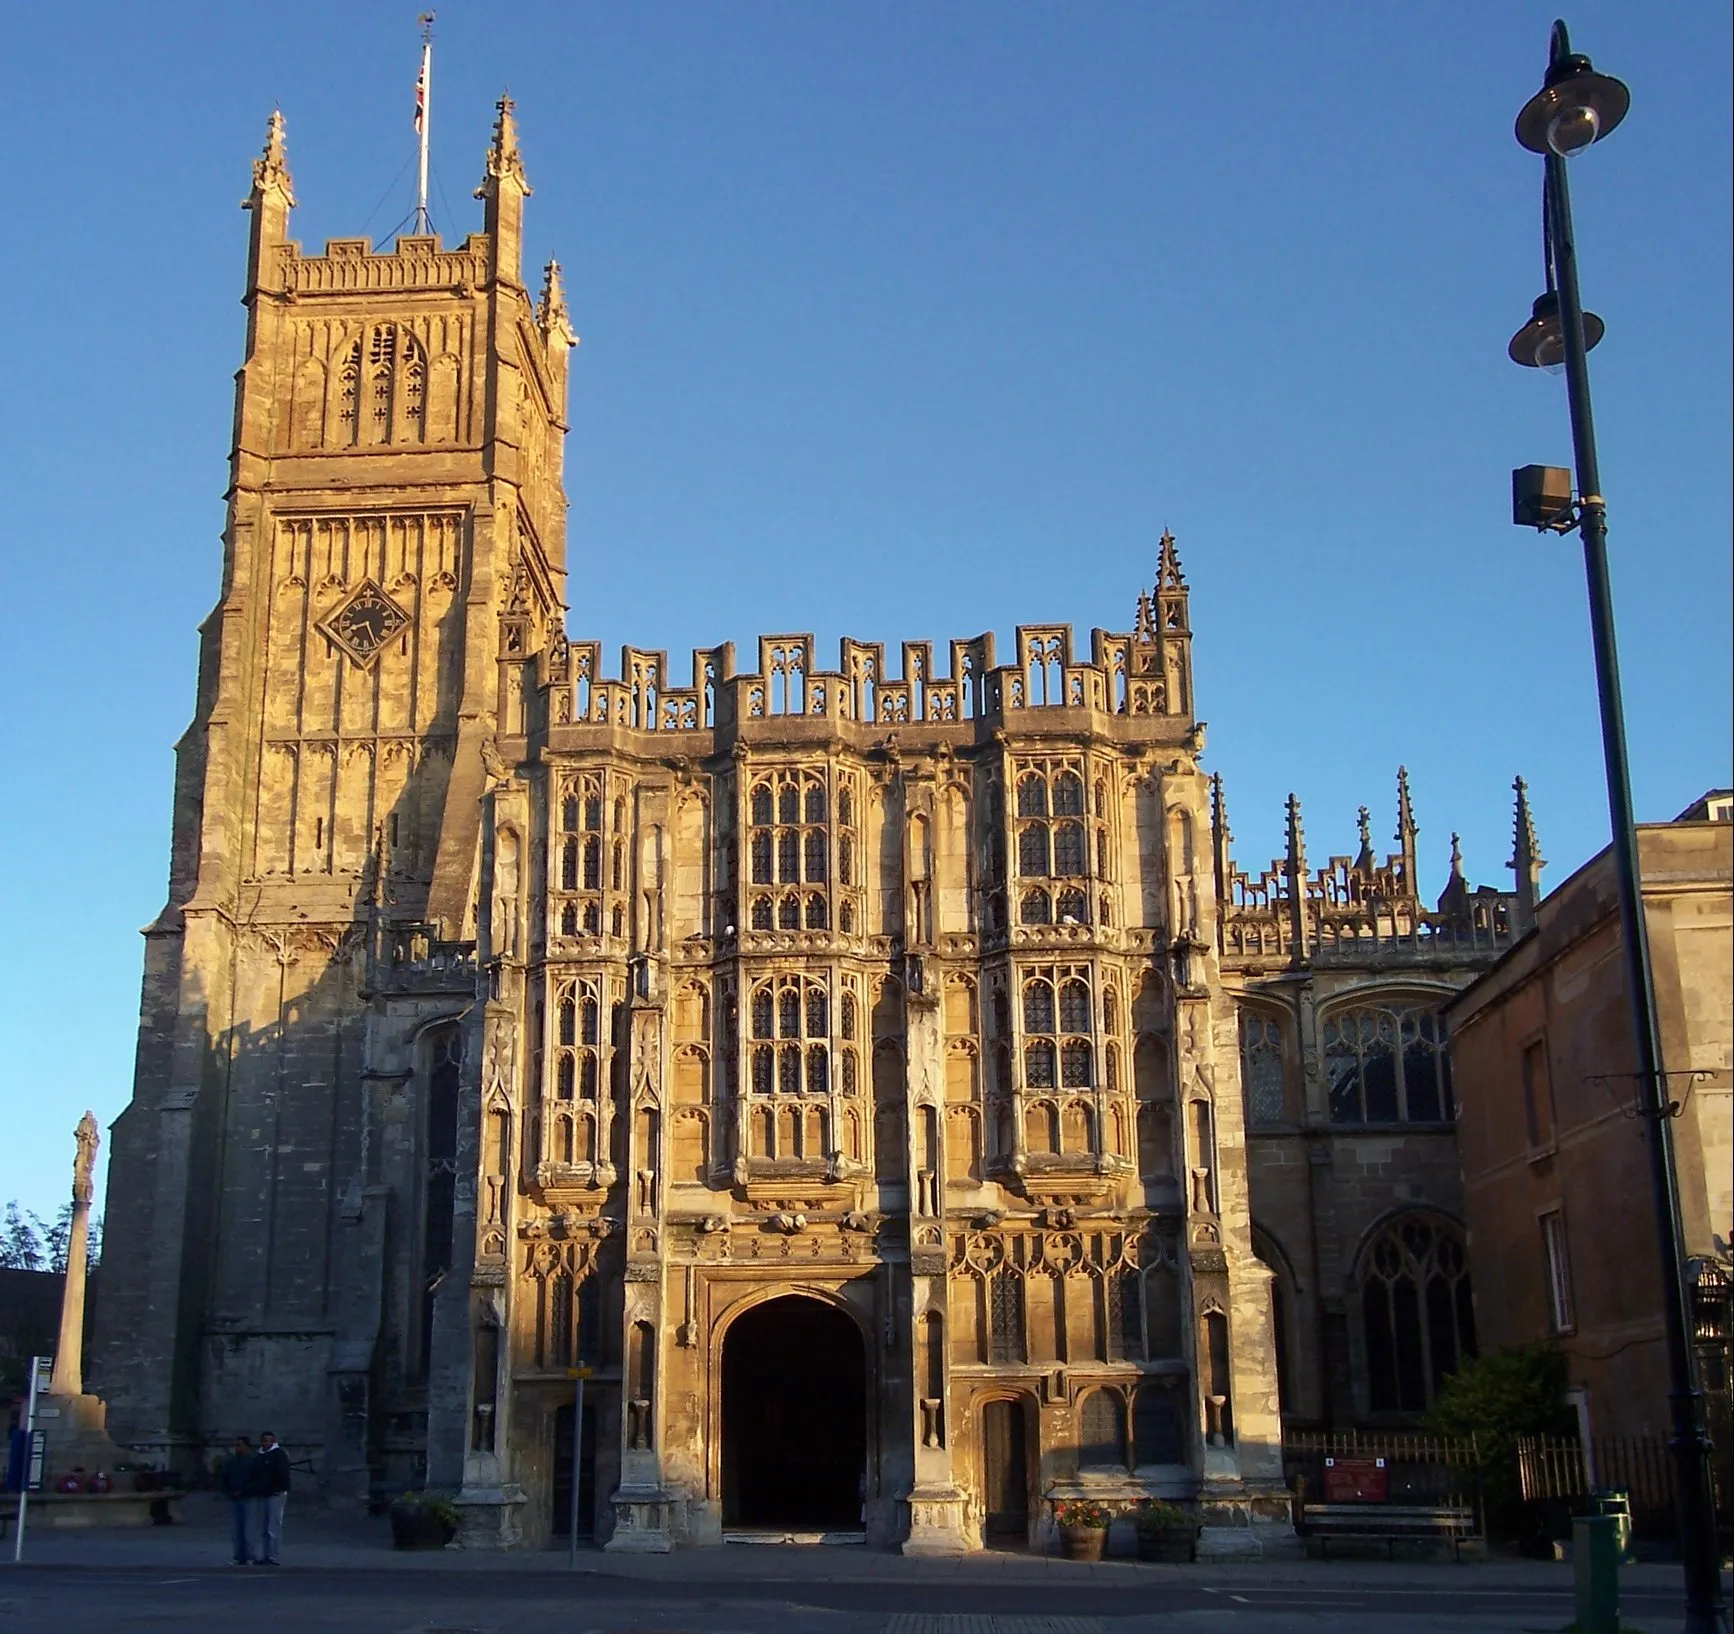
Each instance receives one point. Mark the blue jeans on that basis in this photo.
(238, 1511)
(269, 1515)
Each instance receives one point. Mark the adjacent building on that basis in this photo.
(1555, 1162)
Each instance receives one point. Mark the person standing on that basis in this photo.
(236, 1480)
(272, 1487)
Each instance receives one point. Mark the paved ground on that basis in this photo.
(344, 1578)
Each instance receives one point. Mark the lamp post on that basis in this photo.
(1574, 108)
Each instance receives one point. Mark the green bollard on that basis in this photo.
(1595, 1565)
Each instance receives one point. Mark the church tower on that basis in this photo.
(393, 561)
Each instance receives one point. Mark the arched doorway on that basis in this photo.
(794, 1417)
(1005, 1492)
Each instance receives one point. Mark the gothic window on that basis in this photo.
(1005, 1316)
(845, 807)
(1101, 1431)
(815, 852)
(1062, 1040)
(815, 803)
(789, 857)
(1125, 1332)
(816, 912)
(1416, 1311)
(592, 864)
(569, 866)
(1157, 1434)
(569, 814)
(1036, 908)
(845, 860)
(617, 871)
(849, 1015)
(795, 1013)
(591, 1013)
(568, 1021)
(1110, 1011)
(1073, 907)
(1069, 855)
(762, 914)
(592, 919)
(592, 812)
(348, 394)
(1388, 1065)
(1051, 840)
(1261, 1069)
(761, 804)
(789, 913)
(569, 919)
(789, 803)
(850, 1082)
(846, 918)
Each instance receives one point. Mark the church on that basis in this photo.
(873, 1090)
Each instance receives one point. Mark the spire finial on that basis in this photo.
(1168, 573)
(1364, 821)
(1221, 837)
(1219, 807)
(1296, 836)
(551, 309)
(504, 159)
(1527, 861)
(271, 168)
(1406, 828)
(1456, 855)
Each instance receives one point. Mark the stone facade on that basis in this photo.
(881, 1080)
(1549, 1136)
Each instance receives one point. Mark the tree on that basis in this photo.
(20, 1247)
(1514, 1392)
(55, 1235)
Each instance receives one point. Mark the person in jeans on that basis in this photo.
(271, 1487)
(236, 1480)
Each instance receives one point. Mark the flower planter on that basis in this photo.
(1170, 1543)
(420, 1529)
(1083, 1542)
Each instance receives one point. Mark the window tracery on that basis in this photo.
(1261, 1069)
(1052, 843)
(1058, 1027)
(1388, 1064)
(1418, 1320)
(789, 845)
(790, 1028)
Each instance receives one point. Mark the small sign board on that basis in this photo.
(1357, 1481)
(579, 1372)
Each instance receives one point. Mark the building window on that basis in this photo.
(1556, 1252)
(1416, 1310)
(1059, 1035)
(1101, 1431)
(1005, 1317)
(1261, 1069)
(788, 842)
(796, 1014)
(1388, 1066)
(1537, 1094)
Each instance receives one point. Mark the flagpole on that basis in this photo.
(423, 89)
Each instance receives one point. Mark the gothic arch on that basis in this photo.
(1412, 1315)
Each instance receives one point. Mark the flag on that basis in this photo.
(420, 98)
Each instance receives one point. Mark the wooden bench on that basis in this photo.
(1450, 1527)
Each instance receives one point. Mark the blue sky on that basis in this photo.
(902, 321)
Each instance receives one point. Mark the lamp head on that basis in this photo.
(1540, 343)
(1574, 107)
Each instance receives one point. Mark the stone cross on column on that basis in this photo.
(68, 1356)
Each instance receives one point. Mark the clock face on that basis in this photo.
(365, 623)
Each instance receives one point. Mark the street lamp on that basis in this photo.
(1575, 108)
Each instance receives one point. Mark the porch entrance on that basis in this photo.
(794, 1417)
(1005, 1474)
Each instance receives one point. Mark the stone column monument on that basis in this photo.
(76, 1423)
(69, 1353)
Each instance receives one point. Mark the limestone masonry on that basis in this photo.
(881, 1077)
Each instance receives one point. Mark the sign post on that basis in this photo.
(578, 1375)
(35, 1452)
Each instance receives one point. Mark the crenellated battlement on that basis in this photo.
(351, 266)
(1147, 673)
